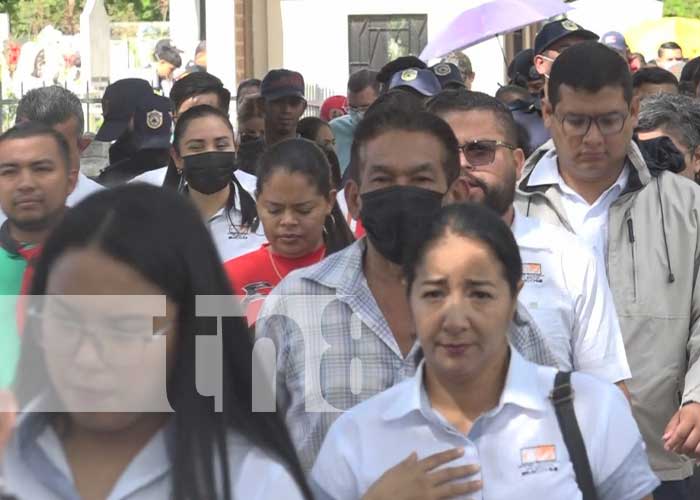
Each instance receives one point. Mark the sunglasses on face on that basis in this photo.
(482, 152)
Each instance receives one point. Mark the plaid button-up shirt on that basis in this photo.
(335, 349)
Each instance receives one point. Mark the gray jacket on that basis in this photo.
(652, 264)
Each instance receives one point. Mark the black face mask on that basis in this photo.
(397, 217)
(209, 172)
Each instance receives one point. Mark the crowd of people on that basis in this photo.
(427, 292)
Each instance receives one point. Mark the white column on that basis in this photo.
(94, 43)
(221, 41)
(184, 27)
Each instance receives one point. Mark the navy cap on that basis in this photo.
(615, 41)
(448, 75)
(153, 122)
(522, 68)
(422, 81)
(119, 103)
(556, 30)
(280, 83)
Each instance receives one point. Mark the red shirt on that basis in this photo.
(255, 274)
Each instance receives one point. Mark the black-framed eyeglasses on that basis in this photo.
(608, 124)
(482, 152)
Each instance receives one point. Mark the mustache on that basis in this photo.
(475, 180)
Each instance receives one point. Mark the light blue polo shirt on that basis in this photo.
(35, 467)
(518, 444)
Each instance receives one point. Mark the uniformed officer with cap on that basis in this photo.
(141, 121)
(421, 82)
(449, 75)
(552, 40)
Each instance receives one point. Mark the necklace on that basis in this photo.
(277, 271)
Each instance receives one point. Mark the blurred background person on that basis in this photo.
(678, 118)
(246, 88)
(653, 80)
(333, 107)
(251, 132)
(669, 54)
(283, 92)
(363, 90)
(167, 60)
(318, 131)
(462, 61)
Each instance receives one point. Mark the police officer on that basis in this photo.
(139, 122)
(551, 41)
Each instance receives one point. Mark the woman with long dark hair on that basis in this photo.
(204, 149)
(125, 282)
(302, 222)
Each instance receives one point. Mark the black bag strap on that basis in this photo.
(562, 397)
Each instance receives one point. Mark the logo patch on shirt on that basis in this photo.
(538, 459)
(236, 232)
(532, 272)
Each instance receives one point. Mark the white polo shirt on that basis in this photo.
(589, 221)
(567, 294)
(230, 237)
(35, 467)
(518, 444)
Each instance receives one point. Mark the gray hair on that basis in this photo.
(51, 106)
(675, 114)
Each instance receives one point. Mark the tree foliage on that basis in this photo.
(28, 17)
(682, 8)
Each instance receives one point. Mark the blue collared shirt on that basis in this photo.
(335, 348)
(518, 444)
(35, 467)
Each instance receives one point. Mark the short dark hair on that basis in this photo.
(511, 93)
(689, 70)
(473, 221)
(25, 130)
(654, 76)
(252, 106)
(250, 82)
(308, 127)
(199, 83)
(669, 46)
(448, 101)
(362, 79)
(382, 121)
(589, 66)
(51, 105)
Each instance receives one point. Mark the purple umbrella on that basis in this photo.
(491, 18)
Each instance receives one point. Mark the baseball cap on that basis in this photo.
(119, 102)
(153, 122)
(448, 75)
(422, 81)
(280, 83)
(522, 68)
(556, 30)
(461, 60)
(615, 41)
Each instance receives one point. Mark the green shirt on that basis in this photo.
(12, 269)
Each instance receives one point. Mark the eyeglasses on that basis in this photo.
(482, 152)
(608, 124)
(358, 109)
(120, 342)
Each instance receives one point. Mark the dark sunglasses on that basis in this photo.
(480, 153)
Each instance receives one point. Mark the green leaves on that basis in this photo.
(28, 17)
(682, 8)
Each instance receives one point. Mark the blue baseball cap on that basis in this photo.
(556, 30)
(615, 41)
(422, 81)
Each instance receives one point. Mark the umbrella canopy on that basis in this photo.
(647, 36)
(489, 19)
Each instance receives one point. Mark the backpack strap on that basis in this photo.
(562, 397)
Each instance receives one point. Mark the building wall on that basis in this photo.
(315, 37)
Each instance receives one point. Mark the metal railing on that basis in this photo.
(92, 105)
